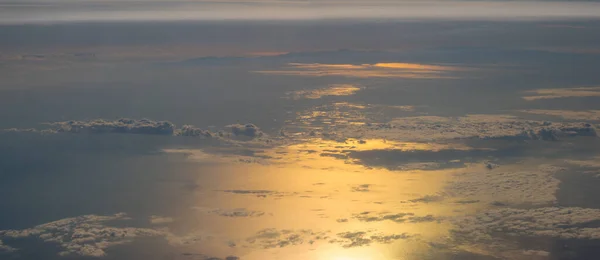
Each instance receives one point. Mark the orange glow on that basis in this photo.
(377, 70)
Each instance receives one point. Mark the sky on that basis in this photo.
(327, 130)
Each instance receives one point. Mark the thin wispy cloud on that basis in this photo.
(555, 93)
(377, 70)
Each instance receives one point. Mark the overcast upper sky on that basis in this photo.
(58, 11)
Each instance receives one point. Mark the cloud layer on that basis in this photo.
(86, 235)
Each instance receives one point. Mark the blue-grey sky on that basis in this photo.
(327, 130)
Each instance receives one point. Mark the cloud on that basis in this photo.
(361, 188)
(494, 127)
(377, 70)
(556, 222)
(403, 217)
(567, 114)
(248, 130)
(506, 187)
(141, 126)
(553, 93)
(275, 238)
(333, 90)
(428, 199)
(189, 130)
(158, 220)
(120, 126)
(362, 238)
(233, 213)
(205, 257)
(87, 235)
(5, 248)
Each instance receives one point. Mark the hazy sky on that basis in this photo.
(299, 130)
(52, 11)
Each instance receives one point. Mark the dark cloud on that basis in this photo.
(361, 188)
(232, 213)
(249, 130)
(397, 217)
(362, 238)
(189, 130)
(120, 126)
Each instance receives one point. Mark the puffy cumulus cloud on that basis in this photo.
(189, 130)
(248, 130)
(567, 114)
(232, 213)
(430, 128)
(403, 217)
(553, 93)
(377, 70)
(121, 126)
(557, 222)
(333, 90)
(506, 186)
(159, 220)
(361, 188)
(87, 235)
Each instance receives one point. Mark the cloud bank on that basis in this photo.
(494, 127)
(120, 126)
(86, 235)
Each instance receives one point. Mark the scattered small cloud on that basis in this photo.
(361, 188)
(158, 220)
(6, 248)
(233, 213)
(428, 199)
